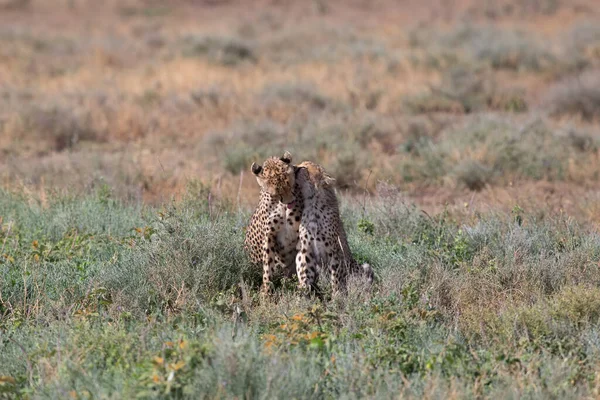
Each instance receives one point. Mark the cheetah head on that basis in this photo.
(276, 177)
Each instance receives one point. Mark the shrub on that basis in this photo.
(581, 43)
(515, 8)
(495, 47)
(473, 174)
(320, 42)
(504, 49)
(188, 259)
(247, 143)
(14, 4)
(297, 94)
(576, 96)
(61, 127)
(227, 51)
(344, 139)
(465, 90)
(528, 150)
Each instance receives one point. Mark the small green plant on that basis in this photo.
(366, 226)
(517, 213)
(308, 330)
(171, 371)
(8, 385)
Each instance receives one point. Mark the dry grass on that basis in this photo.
(139, 101)
(576, 96)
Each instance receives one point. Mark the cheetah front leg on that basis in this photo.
(306, 262)
(335, 276)
(269, 261)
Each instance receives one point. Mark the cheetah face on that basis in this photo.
(276, 177)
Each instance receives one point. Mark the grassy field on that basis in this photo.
(105, 300)
(465, 139)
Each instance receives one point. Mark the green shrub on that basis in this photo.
(188, 259)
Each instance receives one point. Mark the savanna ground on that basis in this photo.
(465, 139)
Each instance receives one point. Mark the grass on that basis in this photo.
(102, 299)
(464, 142)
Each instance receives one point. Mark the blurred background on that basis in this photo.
(461, 104)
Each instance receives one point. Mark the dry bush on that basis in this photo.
(581, 44)
(320, 42)
(576, 96)
(245, 143)
(515, 8)
(473, 174)
(502, 151)
(14, 4)
(228, 51)
(340, 142)
(465, 89)
(502, 49)
(295, 95)
(54, 128)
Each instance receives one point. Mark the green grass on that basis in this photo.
(100, 299)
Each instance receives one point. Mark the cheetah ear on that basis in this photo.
(287, 157)
(328, 179)
(256, 169)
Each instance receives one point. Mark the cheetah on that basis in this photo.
(282, 218)
(272, 234)
(322, 243)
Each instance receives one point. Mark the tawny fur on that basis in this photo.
(323, 245)
(310, 232)
(272, 234)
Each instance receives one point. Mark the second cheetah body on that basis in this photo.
(322, 242)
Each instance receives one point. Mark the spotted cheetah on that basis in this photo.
(272, 234)
(322, 243)
(281, 219)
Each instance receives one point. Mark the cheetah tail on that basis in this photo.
(368, 272)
